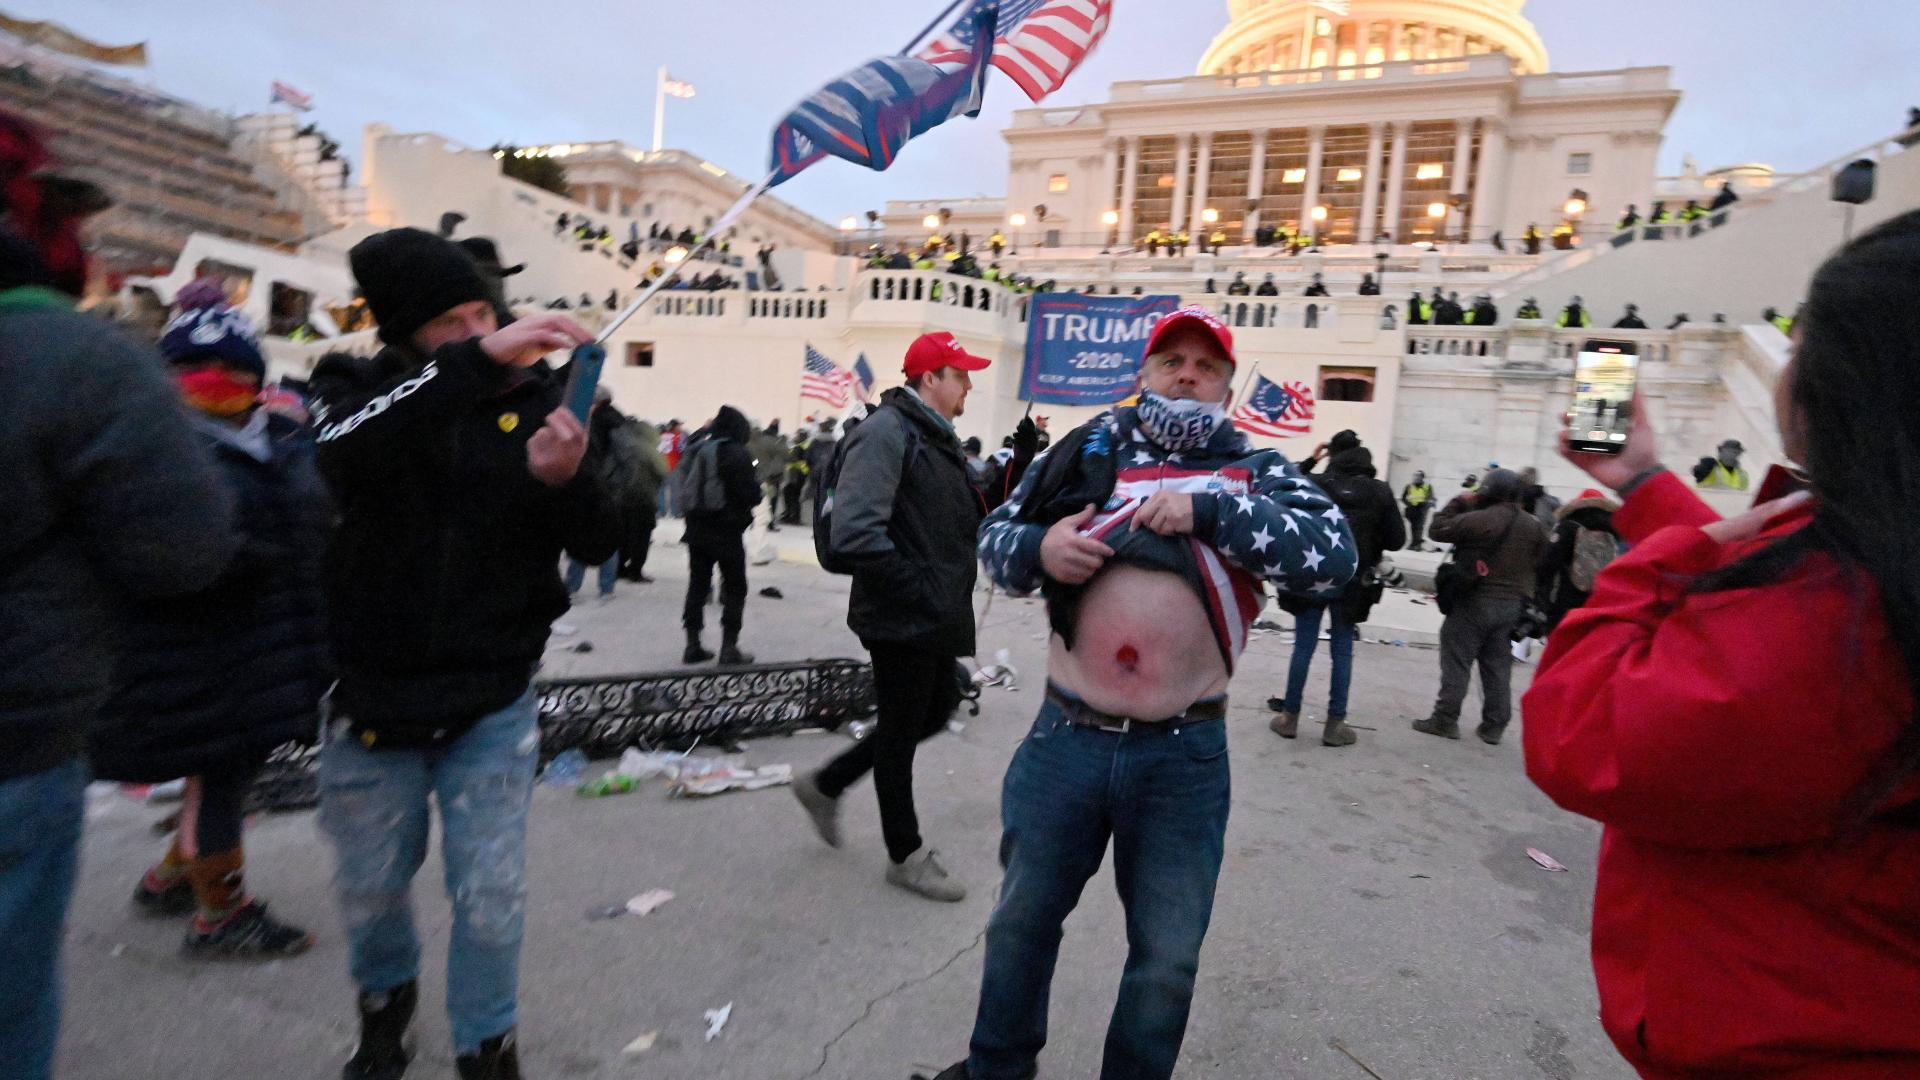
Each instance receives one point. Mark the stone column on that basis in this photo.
(1177, 213)
(1370, 198)
(1462, 162)
(1397, 178)
(1110, 185)
(1310, 197)
(1202, 176)
(1129, 187)
(1256, 181)
(1489, 208)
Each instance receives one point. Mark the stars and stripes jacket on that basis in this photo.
(1255, 519)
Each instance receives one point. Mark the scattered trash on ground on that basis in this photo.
(609, 911)
(1000, 673)
(1545, 861)
(859, 729)
(648, 902)
(1338, 1045)
(1268, 626)
(717, 1019)
(641, 1045)
(609, 783)
(565, 629)
(583, 647)
(565, 770)
(698, 782)
(1422, 877)
(773, 593)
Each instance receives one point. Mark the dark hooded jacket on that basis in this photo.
(444, 579)
(1372, 513)
(739, 481)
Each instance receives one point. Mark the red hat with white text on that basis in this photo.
(931, 352)
(1196, 317)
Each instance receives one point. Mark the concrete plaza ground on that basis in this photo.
(1377, 899)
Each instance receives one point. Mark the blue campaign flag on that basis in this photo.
(1086, 350)
(863, 376)
(869, 113)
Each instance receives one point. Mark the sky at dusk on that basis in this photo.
(1774, 81)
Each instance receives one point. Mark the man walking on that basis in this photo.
(904, 513)
(796, 480)
(1151, 529)
(1417, 497)
(1489, 528)
(460, 480)
(110, 496)
(717, 497)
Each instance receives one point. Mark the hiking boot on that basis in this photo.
(695, 654)
(922, 874)
(1427, 725)
(247, 934)
(952, 1072)
(731, 656)
(384, 1018)
(172, 901)
(1489, 734)
(1285, 724)
(822, 809)
(498, 1059)
(1337, 733)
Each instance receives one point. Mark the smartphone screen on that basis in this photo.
(583, 376)
(1603, 380)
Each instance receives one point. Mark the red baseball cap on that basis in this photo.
(931, 352)
(1194, 316)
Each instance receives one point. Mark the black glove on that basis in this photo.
(1026, 439)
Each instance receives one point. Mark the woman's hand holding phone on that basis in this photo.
(1638, 454)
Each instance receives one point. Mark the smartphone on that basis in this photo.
(1779, 483)
(583, 378)
(1603, 381)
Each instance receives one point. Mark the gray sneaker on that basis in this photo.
(822, 809)
(922, 874)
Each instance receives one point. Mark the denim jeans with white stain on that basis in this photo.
(373, 804)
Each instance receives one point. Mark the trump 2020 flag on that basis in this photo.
(869, 113)
(863, 377)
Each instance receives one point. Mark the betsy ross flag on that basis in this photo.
(863, 378)
(1039, 42)
(1275, 410)
(869, 113)
(824, 380)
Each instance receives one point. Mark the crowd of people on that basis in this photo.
(197, 569)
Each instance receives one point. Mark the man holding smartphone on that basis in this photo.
(460, 478)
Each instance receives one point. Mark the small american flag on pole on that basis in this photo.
(824, 380)
(1039, 42)
(863, 377)
(285, 93)
(1274, 410)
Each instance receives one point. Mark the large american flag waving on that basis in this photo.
(1039, 42)
(1274, 410)
(824, 380)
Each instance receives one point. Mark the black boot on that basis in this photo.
(731, 656)
(696, 653)
(384, 1019)
(498, 1059)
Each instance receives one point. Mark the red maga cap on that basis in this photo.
(931, 352)
(1198, 317)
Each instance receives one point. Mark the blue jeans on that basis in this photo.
(1161, 797)
(373, 804)
(1306, 636)
(577, 574)
(40, 818)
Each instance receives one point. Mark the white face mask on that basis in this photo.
(1179, 424)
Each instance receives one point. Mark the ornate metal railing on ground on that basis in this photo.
(602, 715)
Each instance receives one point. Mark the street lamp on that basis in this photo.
(1111, 219)
(1319, 216)
(1018, 221)
(676, 255)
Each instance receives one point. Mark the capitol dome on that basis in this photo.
(1278, 35)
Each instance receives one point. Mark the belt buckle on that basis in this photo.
(1124, 725)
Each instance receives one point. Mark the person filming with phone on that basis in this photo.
(1736, 704)
(460, 478)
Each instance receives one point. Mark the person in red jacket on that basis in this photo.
(1736, 704)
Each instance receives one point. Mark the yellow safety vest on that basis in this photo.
(1722, 477)
(1418, 494)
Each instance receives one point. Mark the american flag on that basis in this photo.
(1275, 410)
(1039, 44)
(284, 92)
(824, 380)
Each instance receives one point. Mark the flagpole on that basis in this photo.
(659, 109)
(673, 270)
(1252, 373)
(932, 26)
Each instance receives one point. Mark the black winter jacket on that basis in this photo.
(233, 671)
(444, 575)
(1374, 516)
(908, 521)
(108, 496)
(739, 481)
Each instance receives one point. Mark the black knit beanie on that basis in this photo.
(411, 277)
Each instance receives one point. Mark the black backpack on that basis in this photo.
(826, 482)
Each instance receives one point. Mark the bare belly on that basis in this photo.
(1142, 648)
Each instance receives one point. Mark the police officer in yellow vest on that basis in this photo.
(1417, 497)
(1723, 469)
(1575, 314)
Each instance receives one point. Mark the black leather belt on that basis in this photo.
(1081, 714)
